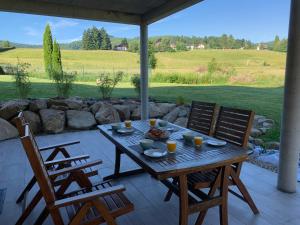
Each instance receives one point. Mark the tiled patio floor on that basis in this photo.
(146, 193)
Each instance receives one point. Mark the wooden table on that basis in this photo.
(185, 161)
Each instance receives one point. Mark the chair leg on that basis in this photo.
(26, 189)
(42, 217)
(242, 188)
(29, 208)
(223, 208)
(170, 192)
(183, 200)
(104, 212)
(211, 193)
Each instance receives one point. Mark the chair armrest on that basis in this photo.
(88, 196)
(59, 145)
(66, 160)
(73, 168)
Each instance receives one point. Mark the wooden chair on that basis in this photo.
(92, 204)
(233, 126)
(52, 166)
(201, 118)
(55, 150)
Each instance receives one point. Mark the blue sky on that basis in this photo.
(256, 20)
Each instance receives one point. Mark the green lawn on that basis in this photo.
(252, 66)
(264, 100)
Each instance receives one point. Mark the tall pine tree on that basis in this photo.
(48, 48)
(56, 59)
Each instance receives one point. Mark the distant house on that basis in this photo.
(201, 46)
(190, 47)
(173, 46)
(120, 47)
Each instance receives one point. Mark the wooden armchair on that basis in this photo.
(201, 118)
(233, 126)
(91, 204)
(55, 150)
(68, 164)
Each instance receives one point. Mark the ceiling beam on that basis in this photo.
(63, 10)
(167, 9)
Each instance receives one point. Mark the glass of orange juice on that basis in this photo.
(171, 146)
(152, 122)
(127, 123)
(198, 141)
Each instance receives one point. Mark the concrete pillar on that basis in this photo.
(290, 126)
(144, 70)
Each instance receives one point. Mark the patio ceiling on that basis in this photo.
(119, 11)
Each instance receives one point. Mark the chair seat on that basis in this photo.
(116, 203)
(90, 171)
(202, 179)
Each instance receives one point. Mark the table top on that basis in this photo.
(187, 158)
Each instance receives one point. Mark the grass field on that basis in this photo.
(252, 67)
(257, 84)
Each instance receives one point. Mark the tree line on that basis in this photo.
(96, 39)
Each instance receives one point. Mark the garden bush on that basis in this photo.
(107, 82)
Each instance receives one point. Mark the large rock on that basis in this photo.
(58, 104)
(7, 130)
(165, 107)
(172, 116)
(181, 121)
(53, 120)
(107, 114)
(37, 105)
(155, 111)
(34, 121)
(124, 111)
(74, 103)
(11, 108)
(95, 107)
(80, 119)
(255, 132)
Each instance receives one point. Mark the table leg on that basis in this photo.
(183, 200)
(242, 188)
(223, 208)
(117, 173)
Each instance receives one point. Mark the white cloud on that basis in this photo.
(69, 40)
(30, 31)
(62, 23)
(121, 29)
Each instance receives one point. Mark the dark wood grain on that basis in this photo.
(201, 117)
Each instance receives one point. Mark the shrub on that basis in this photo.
(180, 100)
(2, 71)
(63, 82)
(107, 82)
(21, 78)
(136, 82)
(212, 66)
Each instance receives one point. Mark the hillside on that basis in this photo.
(251, 66)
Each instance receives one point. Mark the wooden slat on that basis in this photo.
(201, 117)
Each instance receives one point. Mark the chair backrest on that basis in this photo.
(20, 122)
(37, 165)
(234, 125)
(201, 117)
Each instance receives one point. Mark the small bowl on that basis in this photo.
(146, 143)
(116, 126)
(188, 137)
(162, 123)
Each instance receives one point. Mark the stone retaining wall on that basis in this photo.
(58, 115)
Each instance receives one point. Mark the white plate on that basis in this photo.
(125, 130)
(216, 142)
(155, 153)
